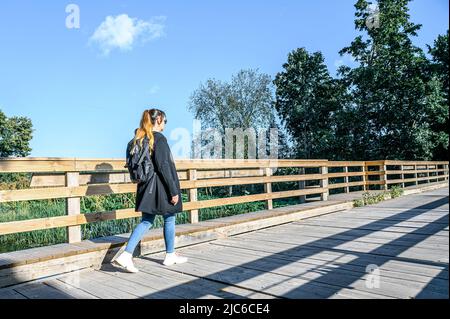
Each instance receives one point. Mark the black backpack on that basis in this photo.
(138, 162)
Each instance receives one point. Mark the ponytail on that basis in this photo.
(148, 120)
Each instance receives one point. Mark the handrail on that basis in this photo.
(72, 179)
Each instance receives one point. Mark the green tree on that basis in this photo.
(307, 101)
(15, 136)
(439, 66)
(390, 93)
(244, 102)
(439, 90)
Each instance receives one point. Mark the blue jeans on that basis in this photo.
(144, 226)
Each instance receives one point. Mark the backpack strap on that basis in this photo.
(141, 158)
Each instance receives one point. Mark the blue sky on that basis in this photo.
(85, 102)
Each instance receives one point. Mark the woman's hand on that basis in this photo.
(175, 199)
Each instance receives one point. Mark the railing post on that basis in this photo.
(268, 187)
(364, 176)
(324, 182)
(346, 188)
(415, 175)
(193, 214)
(73, 208)
(302, 185)
(428, 173)
(383, 176)
(403, 175)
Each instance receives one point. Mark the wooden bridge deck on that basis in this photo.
(321, 257)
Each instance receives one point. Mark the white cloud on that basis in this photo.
(122, 32)
(154, 89)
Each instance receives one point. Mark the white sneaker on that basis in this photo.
(174, 258)
(125, 260)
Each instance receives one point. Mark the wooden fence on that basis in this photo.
(72, 179)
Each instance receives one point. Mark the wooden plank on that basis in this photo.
(268, 187)
(42, 291)
(69, 290)
(327, 260)
(437, 229)
(29, 164)
(73, 208)
(99, 287)
(337, 277)
(398, 162)
(47, 164)
(412, 171)
(247, 180)
(55, 179)
(76, 191)
(342, 185)
(239, 163)
(438, 256)
(347, 163)
(389, 220)
(193, 214)
(394, 239)
(324, 183)
(51, 267)
(43, 164)
(157, 284)
(284, 250)
(250, 198)
(64, 192)
(188, 286)
(382, 233)
(64, 221)
(348, 174)
(275, 284)
(9, 293)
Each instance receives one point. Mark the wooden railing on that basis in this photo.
(74, 178)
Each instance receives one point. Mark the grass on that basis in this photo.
(25, 210)
(370, 199)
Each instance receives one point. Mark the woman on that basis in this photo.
(160, 195)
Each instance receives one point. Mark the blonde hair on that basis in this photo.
(145, 129)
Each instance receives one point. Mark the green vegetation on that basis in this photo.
(15, 135)
(396, 191)
(25, 210)
(370, 198)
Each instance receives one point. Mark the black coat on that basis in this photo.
(154, 196)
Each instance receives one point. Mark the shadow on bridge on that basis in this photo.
(333, 276)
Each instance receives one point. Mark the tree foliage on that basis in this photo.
(307, 99)
(246, 101)
(393, 104)
(15, 136)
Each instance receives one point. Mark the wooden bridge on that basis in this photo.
(323, 247)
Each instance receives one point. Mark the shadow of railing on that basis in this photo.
(332, 281)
